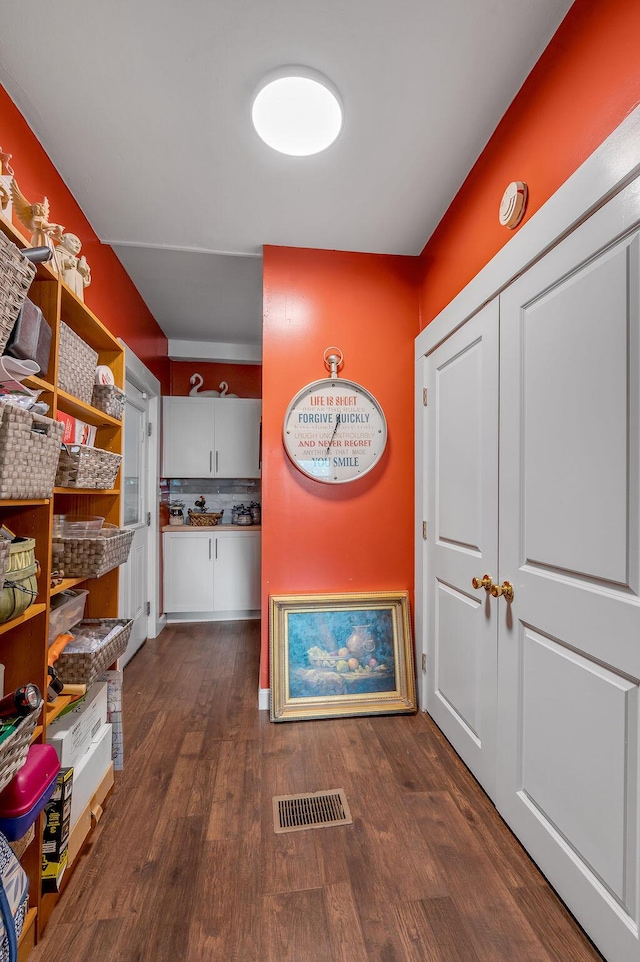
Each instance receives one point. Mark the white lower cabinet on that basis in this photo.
(236, 578)
(213, 573)
(188, 571)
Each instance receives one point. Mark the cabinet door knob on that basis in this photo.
(485, 582)
(505, 590)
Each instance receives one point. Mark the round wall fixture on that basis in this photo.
(513, 204)
(297, 111)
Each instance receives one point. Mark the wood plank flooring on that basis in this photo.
(185, 866)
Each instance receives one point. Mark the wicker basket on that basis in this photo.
(20, 588)
(16, 274)
(204, 519)
(29, 449)
(80, 466)
(110, 399)
(4, 559)
(85, 658)
(77, 364)
(14, 748)
(92, 557)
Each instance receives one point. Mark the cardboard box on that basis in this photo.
(76, 431)
(90, 816)
(89, 772)
(114, 679)
(55, 839)
(71, 734)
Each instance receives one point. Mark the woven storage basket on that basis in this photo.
(14, 748)
(4, 559)
(108, 398)
(204, 519)
(80, 466)
(92, 557)
(20, 588)
(16, 274)
(29, 449)
(84, 659)
(77, 364)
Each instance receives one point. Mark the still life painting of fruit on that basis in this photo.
(335, 653)
(341, 654)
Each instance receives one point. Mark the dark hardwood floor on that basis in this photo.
(185, 866)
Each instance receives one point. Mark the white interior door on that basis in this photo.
(461, 454)
(134, 579)
(569, 643)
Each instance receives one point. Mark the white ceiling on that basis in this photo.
(144, 108)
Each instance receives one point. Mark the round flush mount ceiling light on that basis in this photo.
(297, 111)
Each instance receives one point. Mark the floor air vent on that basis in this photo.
(293, 813)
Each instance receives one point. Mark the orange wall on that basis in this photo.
(583, 86)
(112, 295)
(357, 536)
(245, 380)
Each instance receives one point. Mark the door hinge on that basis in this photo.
(425, 396)
(148, 519)
(424, 662)
(149, 428)
(149, 611)
(425, 528)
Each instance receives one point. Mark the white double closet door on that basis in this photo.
(532, 474)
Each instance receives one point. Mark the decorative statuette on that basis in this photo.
(73, 269)
(197, 381)
(6, 177)
(35, 218)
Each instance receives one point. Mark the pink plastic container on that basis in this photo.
(28, 791)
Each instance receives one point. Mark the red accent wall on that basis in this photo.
(245, 380)
(583, 86)
(357, 536)
(112, 295)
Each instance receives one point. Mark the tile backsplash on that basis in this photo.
(221, 493)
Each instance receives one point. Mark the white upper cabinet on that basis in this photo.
(211, 437)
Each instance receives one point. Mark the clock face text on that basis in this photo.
(334, 431)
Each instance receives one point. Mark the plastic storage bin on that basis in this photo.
(28, 791)
(67, 609)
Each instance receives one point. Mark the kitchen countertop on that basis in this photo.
(212, 527)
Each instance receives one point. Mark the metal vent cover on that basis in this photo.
(294, 813)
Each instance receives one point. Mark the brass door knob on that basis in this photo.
(505, 590)
(485, 582)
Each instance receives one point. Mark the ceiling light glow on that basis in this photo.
(297, 111)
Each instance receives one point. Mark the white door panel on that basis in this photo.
(461, 454)
(568, 644)
(458, 661)
(575, 435)
(570, 705)
(133, 578)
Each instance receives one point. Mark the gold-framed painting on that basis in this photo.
(339, 655)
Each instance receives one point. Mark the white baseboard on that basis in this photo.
(264, 699)
(185, 617)
(159, 625)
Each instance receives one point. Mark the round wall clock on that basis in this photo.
(334, 429)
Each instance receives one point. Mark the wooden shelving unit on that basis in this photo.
(24, 640)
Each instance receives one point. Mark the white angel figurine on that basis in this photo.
(35, 218)
(73, 269)
(6, 176)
